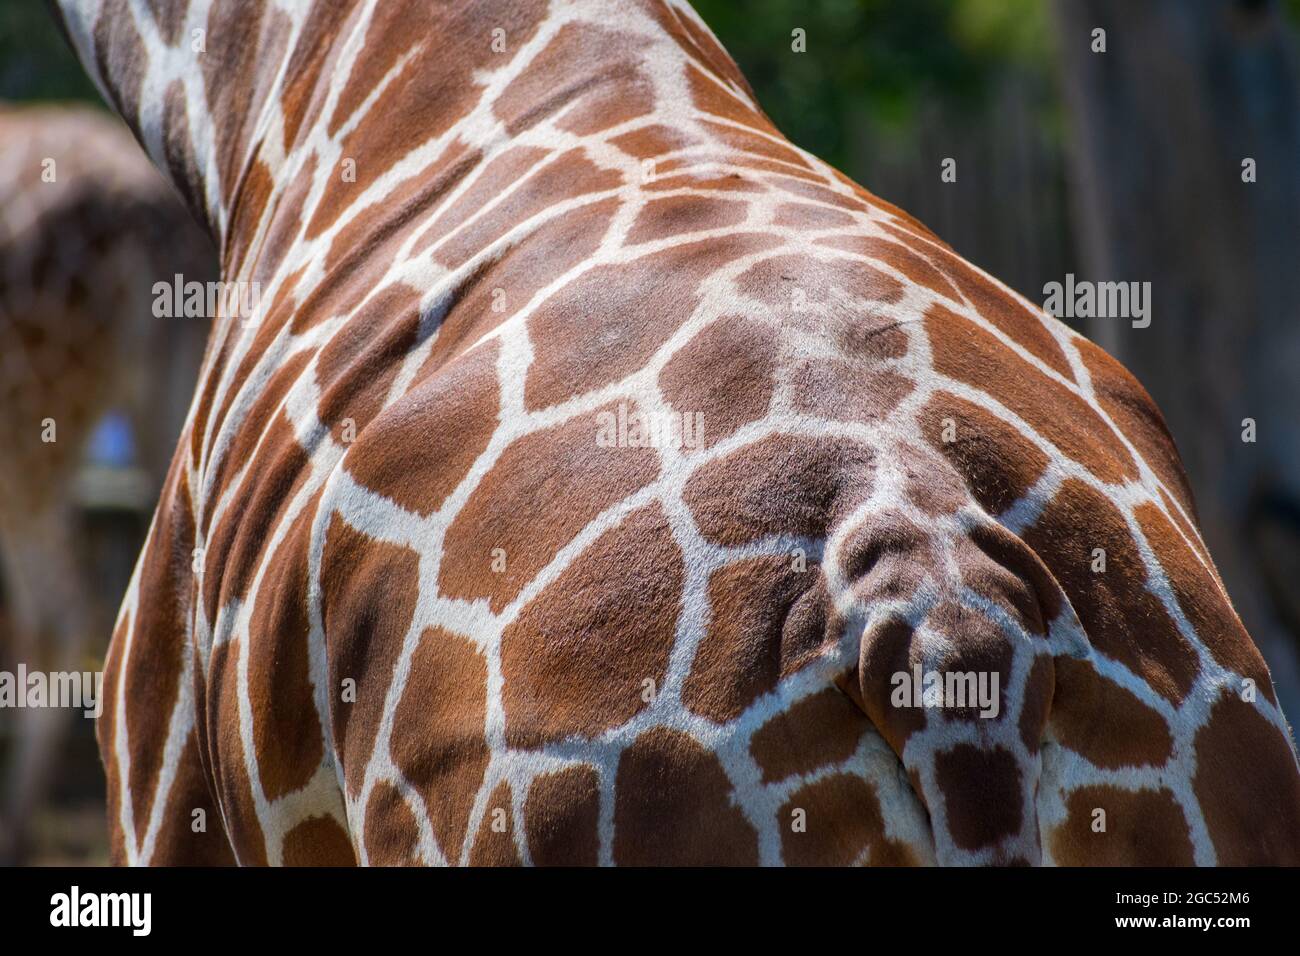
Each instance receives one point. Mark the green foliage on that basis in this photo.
(1003, 30)
(36, 62)
(874, 59)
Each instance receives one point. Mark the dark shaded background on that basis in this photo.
(1116, 166)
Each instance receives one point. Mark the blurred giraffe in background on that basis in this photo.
(87, 227)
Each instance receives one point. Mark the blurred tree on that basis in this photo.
(1163, 120)
(36, 62)
(872, 60)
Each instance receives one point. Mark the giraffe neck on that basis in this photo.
(236, 104)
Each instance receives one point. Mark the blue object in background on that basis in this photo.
(112, 443)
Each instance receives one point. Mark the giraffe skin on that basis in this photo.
(401, 604)
(86, 224)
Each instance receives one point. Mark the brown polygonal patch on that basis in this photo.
(1106, 724)
(888, 558)
(998, 463)
(441, 748)
(915, 267)
(809, 186)
(176, 840)
(260, 421)
(1124, 399)
(246, 214)
(493, 846)
(500, 285)
(607, 86)
(236, 89)
(675, 215)
(1144, 828)
(106, 736)
(369, 594)
(178, 149)
(576, 660)
(779, 485)
(823, 728)
(769, 621)
(422, 447)
(888, 649)
(1202, 600)
(806, 216)
(650, 141)
(932, 485)
(1248, 786)
(560, 181)
(1036, 702)
(843, 824)
(318, 841)
(710, 96)
(997, 565)
(150, 681)
(1008, 314)
(845, 287)
(673, 807)
(606, 324)
(390, 828)
(359, 364)
(961, 639)
(279, 683)
(543, 490)
(724, 375)
(120, 53)
(981, 794)
(490, 181)
(844, 391)
(235, 546)
(965, 352)
(1077, 521)
(226, 757)
(561, 816)
(315, 50)
(381, 225)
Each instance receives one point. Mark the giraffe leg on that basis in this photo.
(51, 616)
(956, 673)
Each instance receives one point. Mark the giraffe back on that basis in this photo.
(603, 478)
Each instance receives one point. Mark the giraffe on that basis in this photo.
(597, 466)
(85, 225)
